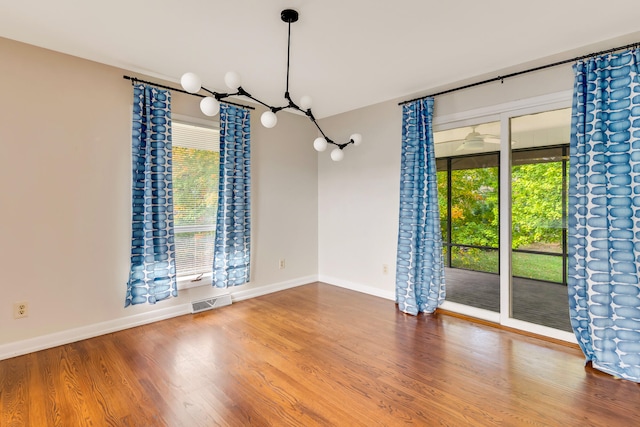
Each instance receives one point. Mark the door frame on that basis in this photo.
(504, 113)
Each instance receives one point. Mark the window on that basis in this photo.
(196, 162)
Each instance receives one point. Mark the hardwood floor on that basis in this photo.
(312, 355)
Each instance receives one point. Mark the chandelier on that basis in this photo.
(210, 105)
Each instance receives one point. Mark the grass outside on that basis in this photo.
(531, 266)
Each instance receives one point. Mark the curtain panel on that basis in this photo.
(232, 252)
(604, 213)
(420, 285)
(152, 276)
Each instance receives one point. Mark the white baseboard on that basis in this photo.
(241, 294)
(55, 339)
(358, 287)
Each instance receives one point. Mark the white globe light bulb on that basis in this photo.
(269, 119)
(191, 82)
(209, 106)
(356, 138)
(305, 102)
(337, 155)
(320, 144)
(232, 80)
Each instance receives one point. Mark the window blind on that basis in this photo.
(196, 161)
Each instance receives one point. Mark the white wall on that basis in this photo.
(358, 200)
(65, 170)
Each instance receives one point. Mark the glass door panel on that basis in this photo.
(468, 189)
(538, 226)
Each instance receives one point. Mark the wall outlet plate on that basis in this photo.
(20, 310)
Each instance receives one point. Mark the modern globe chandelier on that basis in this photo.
(210, 105)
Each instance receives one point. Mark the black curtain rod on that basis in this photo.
(135, 79)
(530, 70)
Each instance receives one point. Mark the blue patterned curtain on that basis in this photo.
(604, 213)
(153, 271)
(420, 263)
(231, 257)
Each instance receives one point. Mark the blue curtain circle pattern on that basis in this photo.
(420, 285)
(152, 276)
(604, 212)
(232, 251)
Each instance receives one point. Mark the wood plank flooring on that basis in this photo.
(316, 355)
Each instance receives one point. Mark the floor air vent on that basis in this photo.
(210, 303)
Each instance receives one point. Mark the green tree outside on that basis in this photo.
(195, 183)
(536, 217)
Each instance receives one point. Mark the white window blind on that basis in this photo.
(196, 162)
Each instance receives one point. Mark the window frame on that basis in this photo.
(199, 279)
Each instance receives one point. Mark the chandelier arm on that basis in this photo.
(218, 95)
(242, 92)
(313, 120)
(291, 103)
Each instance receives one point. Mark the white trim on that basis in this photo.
(561, 99)
(212, 124)
(268, 289)
(505, 219)
(187, 282)
(68, 336)
(358, 287)
(540, 330)
(55, 339)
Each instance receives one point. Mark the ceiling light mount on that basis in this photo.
(289, 15)
(210, 105)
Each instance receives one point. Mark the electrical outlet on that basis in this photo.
(20, 310)
(385, 269)
(281, 264)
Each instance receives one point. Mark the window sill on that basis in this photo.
(187, 282)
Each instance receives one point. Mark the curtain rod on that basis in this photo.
(135, 79)
(530, 70)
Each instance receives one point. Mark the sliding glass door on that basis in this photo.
(502, 194)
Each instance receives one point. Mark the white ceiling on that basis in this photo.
(345, 54)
